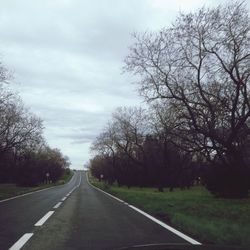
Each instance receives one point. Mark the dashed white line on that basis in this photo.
(19, 244)
(64, 198)
(80, 181)
(44, 218)
(58, 205)
(72, 190)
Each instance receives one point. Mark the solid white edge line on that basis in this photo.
(106, 192)
(57, 205)
(44, 218)
(180, 234)
(171, 229)
(20, 243)
(21, 195)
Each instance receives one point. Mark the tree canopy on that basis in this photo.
(195, 76)
(25, 157)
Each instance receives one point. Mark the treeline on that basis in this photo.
(195, 77)
(25, 157)
(135, 150)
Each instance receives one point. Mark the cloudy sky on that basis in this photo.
(67, 58)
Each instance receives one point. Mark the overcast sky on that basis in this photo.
(67, 58)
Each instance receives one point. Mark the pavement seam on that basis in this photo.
(166, 226)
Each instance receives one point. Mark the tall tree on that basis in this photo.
(201, 64)
(18, 127)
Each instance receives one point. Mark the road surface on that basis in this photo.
(85, 218)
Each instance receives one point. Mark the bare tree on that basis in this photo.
(5, 74)
(130, 127)
(202, 65)
(19, 129)
(120, 145)
(125, 133)
(104, 144)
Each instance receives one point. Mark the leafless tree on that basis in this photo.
(130, 127)
(19, 129)
(125, 133)
(104, 143)
(120, 145)
(5, 74)
(201, 64)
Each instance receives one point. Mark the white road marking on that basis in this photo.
(58, 205)
(80, 180)
(73, 177)
(111, 196)
(20, 243)
(18, 196)
(44, 218)
(180, 234)
(105, 192)
(72, 190)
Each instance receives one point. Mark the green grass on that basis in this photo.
(9, 190)
(195, 212)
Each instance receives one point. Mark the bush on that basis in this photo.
(227, 182)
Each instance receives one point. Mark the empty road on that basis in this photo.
(76, 216)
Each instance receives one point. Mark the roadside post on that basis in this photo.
(47, 177)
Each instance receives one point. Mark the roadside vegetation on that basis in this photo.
(25, 157)
(193, 211)
(8, 190)
(195, 78)
(185, 157)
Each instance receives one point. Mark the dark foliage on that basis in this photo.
(162, 166)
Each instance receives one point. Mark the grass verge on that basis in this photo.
(10, 190)
(195, 212)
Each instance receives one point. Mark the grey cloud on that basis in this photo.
(82, 141)
(67, 57)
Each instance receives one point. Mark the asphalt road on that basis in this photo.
(19, 215)
(87, 219)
